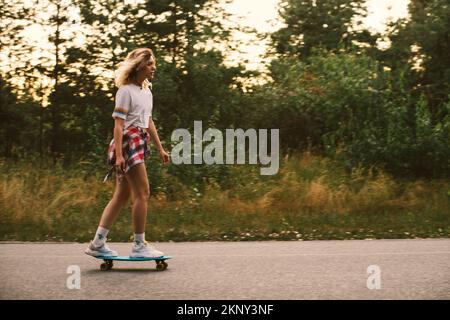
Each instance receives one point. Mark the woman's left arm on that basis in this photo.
(155, 138)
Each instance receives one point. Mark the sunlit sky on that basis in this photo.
(262, 15)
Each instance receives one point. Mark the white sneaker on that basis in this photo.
(102, 251)
(144, 250)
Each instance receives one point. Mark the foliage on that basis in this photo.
(345, 105)
(312, 24)
(388, 108)
(311, 198)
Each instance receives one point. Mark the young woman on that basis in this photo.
(127, 150)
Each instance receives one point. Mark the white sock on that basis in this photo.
(139, 238)
(100, 236)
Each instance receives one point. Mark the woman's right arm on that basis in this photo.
(118, 140)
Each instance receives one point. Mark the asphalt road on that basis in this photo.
(398, 269)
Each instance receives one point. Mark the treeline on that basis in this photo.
(330, 89)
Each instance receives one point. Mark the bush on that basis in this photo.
(348, 107)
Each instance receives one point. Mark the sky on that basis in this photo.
(262, 15)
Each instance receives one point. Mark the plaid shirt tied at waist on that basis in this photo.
(134, 149)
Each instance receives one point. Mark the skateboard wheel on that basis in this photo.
(107, 265)
(161, 265)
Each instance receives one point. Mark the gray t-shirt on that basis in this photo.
(134, 105)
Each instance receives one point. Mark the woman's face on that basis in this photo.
(148, 71)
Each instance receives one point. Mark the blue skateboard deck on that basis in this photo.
(161, 264)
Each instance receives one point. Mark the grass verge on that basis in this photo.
(311, 198)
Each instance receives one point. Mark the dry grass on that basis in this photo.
(311, 196)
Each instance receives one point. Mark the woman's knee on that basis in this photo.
(138, 182)
(122, 195)
(143, 194)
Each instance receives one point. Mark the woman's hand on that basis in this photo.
(120, 164)
(164, 156)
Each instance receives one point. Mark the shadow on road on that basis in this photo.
(125, 270)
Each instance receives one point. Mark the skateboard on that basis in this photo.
(108, 264)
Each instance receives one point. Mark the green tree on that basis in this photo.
(19, 129)
(18, 82)
(422, 43)
(318, 23)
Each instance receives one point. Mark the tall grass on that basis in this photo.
(310, 198)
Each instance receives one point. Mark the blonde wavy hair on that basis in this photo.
(128, 69)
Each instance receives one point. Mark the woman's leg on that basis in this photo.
(121, 195)
(138, 181)
(139, 185)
